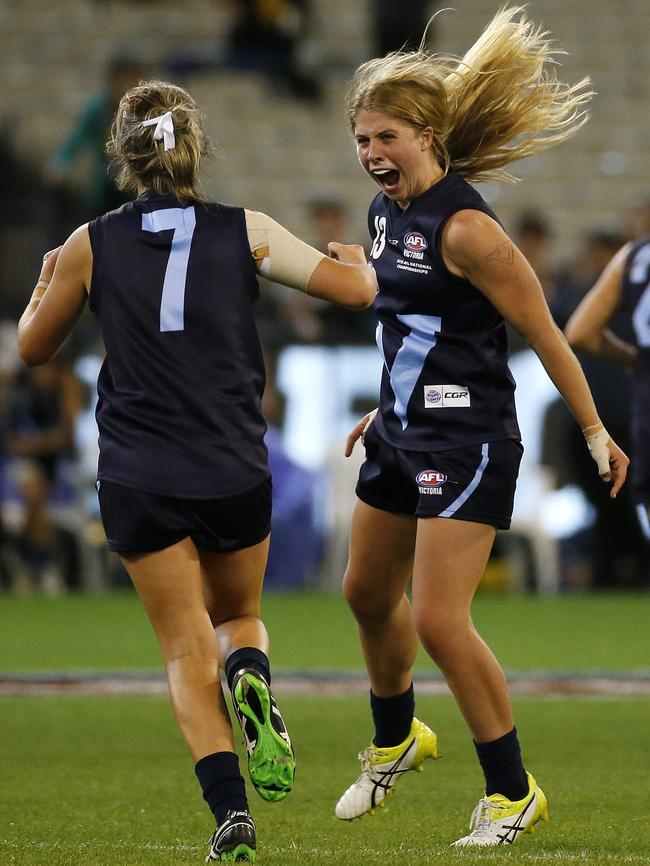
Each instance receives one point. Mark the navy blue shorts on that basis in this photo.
(138, 522)
(474, 483)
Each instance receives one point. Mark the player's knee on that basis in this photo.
(441, 631)
(187, 650)
(234, 615)
(364, 603)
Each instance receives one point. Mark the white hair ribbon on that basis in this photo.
(164, 129)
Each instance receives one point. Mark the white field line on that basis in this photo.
(330, 684)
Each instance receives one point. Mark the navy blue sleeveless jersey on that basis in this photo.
(635, 302)
(445, 382)
(173, 285)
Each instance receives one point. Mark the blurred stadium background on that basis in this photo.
(271, 79)
(114, 766)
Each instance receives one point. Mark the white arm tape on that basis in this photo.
(597, 445)
(281, 256)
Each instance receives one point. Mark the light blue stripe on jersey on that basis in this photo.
(471, 487)
(644, 520)
(410, 358)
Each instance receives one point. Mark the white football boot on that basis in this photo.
(499, 821)
(382, 766)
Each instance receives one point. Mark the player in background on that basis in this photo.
(443, 449)
(183, 479)
(624, 285)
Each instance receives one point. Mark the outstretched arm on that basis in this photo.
(57, 300)
(476, 247)
(345, 278)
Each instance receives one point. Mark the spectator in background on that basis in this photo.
(265, 38)
(39, 437)
(88, 138)
(532, 234)
(584, 268)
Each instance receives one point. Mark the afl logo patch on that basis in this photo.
(415, 241)
(430, 478)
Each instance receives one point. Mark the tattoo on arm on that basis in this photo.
(504, 253)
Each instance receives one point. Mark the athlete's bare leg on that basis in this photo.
(379, 569)
(170, 585)
(232, 587)
(450, 558)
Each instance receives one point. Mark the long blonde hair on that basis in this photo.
(140, 159)
(499, 103)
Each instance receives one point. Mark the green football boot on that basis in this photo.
(271, 761)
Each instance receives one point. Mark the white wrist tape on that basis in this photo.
(597, 445)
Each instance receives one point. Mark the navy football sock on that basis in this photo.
(502, 766)
(222, 783)
(392, 717)
(247, 657)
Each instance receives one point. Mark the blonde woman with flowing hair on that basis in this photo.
(443, 448)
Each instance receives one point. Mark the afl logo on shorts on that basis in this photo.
(415, 241)
(430, 478)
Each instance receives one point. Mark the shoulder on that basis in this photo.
(79, 241)
(631, 249)
(379, 204)
(469, 229)
(256, 219)
(76, 257)
(216, 207)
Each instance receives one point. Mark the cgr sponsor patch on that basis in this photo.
(446, 397)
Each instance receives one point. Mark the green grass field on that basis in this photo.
(316, 631)
(107, 780)
(103, 781)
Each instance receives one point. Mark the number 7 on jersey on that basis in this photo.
(182, 221)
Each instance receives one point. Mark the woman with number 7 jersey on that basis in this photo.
(183, 480)
(443, 449)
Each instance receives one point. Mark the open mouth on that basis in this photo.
(387, 178)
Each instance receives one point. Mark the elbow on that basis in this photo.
(366, 293)
(581, 341)
(572, 335)
(363, 302)
(30, 353)
(32, 359)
